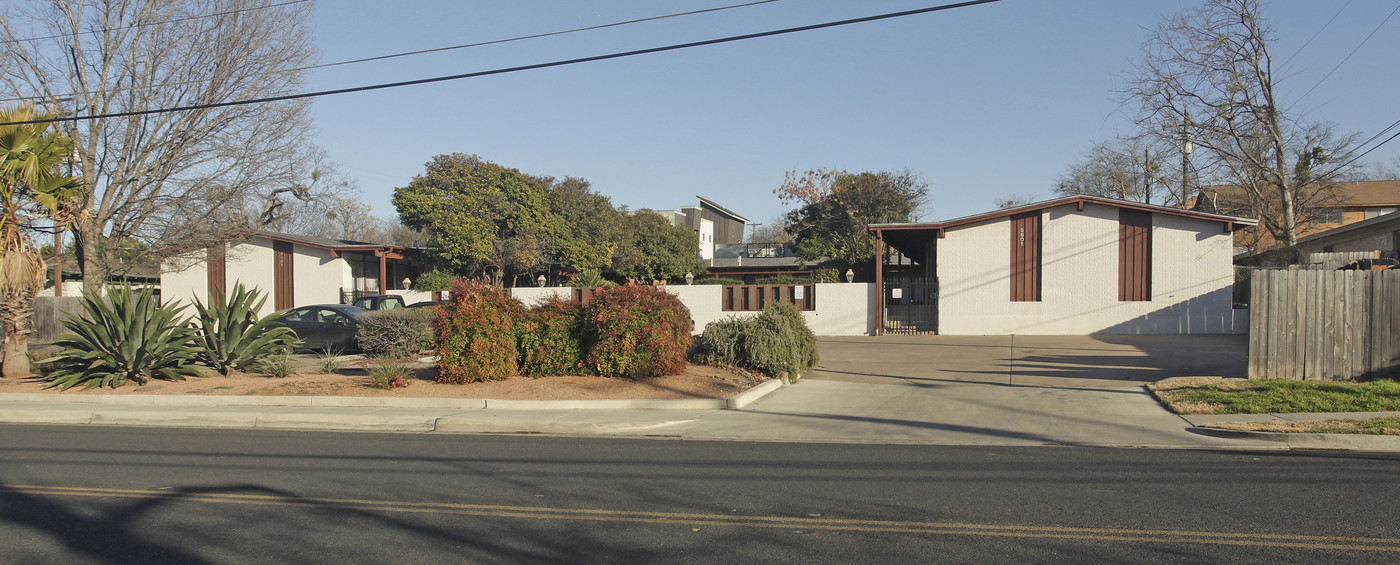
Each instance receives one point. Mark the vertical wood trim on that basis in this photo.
(283, 287)
(880, 282)
(216, 271)
(1134, 255)
(1025, 257)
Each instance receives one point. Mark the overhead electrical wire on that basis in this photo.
(560, 63)
(1314, 36)
(439, 49)
(1373, 148)
(1353, 52)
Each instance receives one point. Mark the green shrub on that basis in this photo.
(433, 280)
(475, 331)
(231, 336)
(718, 280)
(776, 342)
(722, 342)
(551, 338)
(330, 361)
(389, 375)
(130, 339)
(277, 365)
(783, 279)
(826, 275)
(637, 331)
(396, 333)
(590, 278)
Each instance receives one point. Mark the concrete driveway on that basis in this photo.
(998, 390)
(1038, 361)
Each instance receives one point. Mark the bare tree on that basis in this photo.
(775, 231)
(162, 180)
(1013, 201)
(1125, 168)
(1208, 75)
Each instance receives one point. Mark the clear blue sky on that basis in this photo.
(983, 102)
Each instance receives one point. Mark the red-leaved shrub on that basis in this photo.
(551, 338)
(476, 337)
(637, 331)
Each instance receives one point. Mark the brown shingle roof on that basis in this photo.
(1368, 193)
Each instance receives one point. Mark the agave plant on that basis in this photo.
(130, 339)
(233, 337)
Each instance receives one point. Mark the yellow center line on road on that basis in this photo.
(726, 520)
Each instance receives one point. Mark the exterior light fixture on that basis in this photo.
(407, 283)
(540, 280)
(850, 275)
(689, 278)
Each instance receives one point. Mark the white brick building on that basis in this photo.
(1078, 265)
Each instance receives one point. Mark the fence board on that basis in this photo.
(1312, 324)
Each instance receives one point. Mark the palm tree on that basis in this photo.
(30, 185)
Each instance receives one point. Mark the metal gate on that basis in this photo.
(911, 305)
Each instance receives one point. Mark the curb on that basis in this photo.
(737, 402)
(1333, 442)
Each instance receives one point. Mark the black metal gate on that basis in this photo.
(911, 305)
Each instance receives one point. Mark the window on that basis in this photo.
(1374, 212)
(1329, 216)
(1134, 255)
(1025, 257)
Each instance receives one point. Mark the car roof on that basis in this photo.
(342, 308)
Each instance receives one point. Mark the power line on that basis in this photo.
(1353, 52)
(438, 49)
(176, 20)
(1368, 151)
(561, 63)
(1319, 32)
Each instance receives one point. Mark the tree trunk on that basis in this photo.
(89, 257)
(16, 317)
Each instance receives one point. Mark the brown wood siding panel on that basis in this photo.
(1025, 257)
(283, 289)
(1134, 255)
(216, 272)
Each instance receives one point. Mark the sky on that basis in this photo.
(982, 102)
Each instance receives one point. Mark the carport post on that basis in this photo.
(880, 282)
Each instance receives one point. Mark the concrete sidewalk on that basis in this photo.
(976, 390)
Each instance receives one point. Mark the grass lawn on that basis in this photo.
(1276, 396)
(1389, 426)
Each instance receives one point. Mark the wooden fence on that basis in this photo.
(48, 316)
(755, 296)
(1324, 325)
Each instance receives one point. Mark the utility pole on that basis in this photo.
(1186, 149)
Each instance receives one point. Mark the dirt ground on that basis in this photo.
(698, 381)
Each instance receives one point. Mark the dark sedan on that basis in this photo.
(330, 327)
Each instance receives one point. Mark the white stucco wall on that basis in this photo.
(317, 276)
(1191, 280)
(842, 308)
(183, 278)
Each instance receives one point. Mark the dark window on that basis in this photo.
(1025, 257)
(1134, 255)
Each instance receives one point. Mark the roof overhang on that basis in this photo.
(1379, 225)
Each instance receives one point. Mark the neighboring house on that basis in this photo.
(713, 225)
(293, 270)
(1077, 265)
(751, 261)
(1374, 233)
(1340, 204)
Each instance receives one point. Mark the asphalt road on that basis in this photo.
(107, 495)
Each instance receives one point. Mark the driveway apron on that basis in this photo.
(1012, 390)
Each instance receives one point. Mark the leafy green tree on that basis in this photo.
(837, 211)
(657, 249)
(30, 156)
(590, 228)
(480, 217)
